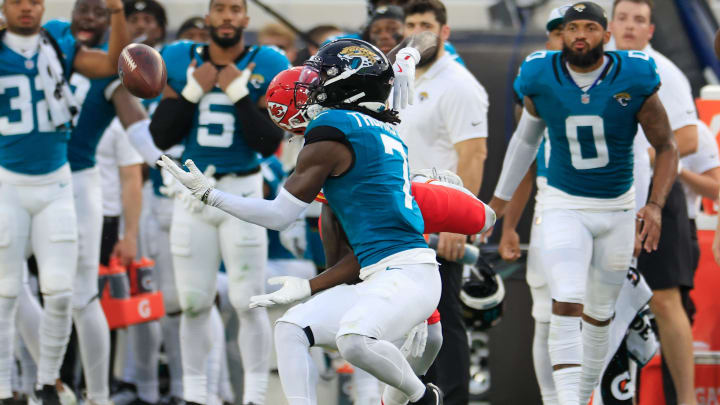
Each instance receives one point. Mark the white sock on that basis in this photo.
(214, 361)
(7, 338)
(55, 328)
(254, 341)
(565, 347)
(297, 371)
(195, 341)
(147, 339)
(567, 381)
(171, 345)
(94, 342)
(541, 361)
(384, 361)
(595, 346)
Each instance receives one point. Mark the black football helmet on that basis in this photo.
(482, 295)
(347, 72)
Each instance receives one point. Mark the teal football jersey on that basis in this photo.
(29, 142)
(96, 112)
(590, 133)
(216, 136)
(372, 199)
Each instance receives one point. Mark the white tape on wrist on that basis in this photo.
(237, 89)
(192, 92)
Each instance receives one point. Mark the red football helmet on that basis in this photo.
(281, 101)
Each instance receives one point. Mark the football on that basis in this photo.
(142, 71)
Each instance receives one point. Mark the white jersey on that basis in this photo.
(676, 96)
(704, 159)
(450, 106)
(114, 151)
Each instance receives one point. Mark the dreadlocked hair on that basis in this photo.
(388, 116)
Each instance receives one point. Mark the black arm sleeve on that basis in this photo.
(172, 121)
(258, 130)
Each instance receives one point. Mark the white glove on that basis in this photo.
(294, 238)
(445, 176)
(191, 203)
(170, 187)
(293, 289)
(415, 342)
(404, 84)
(196, 182)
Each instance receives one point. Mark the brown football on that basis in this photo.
(142, 70)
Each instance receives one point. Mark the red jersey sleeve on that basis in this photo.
(445, 209)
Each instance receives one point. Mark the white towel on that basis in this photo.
(60, 100)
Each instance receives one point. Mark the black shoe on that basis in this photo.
(433, 396)
(48, 395)
(192, 403)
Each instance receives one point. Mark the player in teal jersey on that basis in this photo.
(352, 151)
(213, 105)
(100, 100)
(591, 102)
(36, 107)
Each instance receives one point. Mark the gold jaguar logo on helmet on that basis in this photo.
(579, 7)
(359, 56)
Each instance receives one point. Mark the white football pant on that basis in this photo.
(199, 241)
(37, 214)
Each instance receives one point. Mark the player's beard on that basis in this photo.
(426, 61)
(581, 59)
(226, 42)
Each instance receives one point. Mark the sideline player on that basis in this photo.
(214, 111)
(36, 202)
(349, 142)
(582, 94)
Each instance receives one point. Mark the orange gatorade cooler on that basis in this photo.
(128, 296)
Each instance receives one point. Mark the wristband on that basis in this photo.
(409, 51)
(237, 89)
(192, 92)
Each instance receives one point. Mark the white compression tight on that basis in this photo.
(420, 365)
(171, 342)
(94, 342)
(146, 340)
(7, 337)
(298, 374)
(383, 360)
(214, 362)
(196, 343)
(254, 340)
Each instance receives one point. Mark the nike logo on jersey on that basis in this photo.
(476, 123)
(392, 268)
(63, 185)
(246, 194)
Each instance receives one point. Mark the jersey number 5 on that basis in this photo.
(392, 146)
(601, 157)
